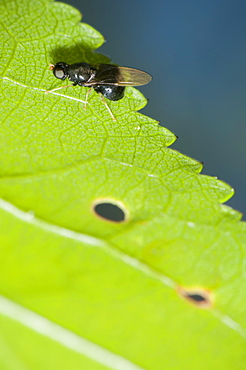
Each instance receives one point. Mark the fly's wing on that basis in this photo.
(120, 76)
(133, 77)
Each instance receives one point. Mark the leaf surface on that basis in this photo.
(122, 286)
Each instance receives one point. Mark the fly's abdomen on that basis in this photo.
(110, 92)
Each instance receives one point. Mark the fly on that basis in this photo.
(108, 80)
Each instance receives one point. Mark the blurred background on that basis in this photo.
(195, 51)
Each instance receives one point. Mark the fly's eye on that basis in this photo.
(59, 73)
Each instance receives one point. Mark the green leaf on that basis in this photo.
(163, 289)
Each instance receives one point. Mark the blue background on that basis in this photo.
(195, 51)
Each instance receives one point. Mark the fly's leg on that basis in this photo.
(58, 88)
(62, 87)
(86, 97)
(106, 105)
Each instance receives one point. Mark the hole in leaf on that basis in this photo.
(199, 297)
(110, 210)
(196, 297)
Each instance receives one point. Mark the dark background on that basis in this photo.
(195, 51)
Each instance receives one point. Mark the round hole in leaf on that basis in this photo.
(199, 297)
(110, 210)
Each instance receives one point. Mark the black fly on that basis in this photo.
(108, 80)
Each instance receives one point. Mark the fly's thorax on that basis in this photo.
(80, 73)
